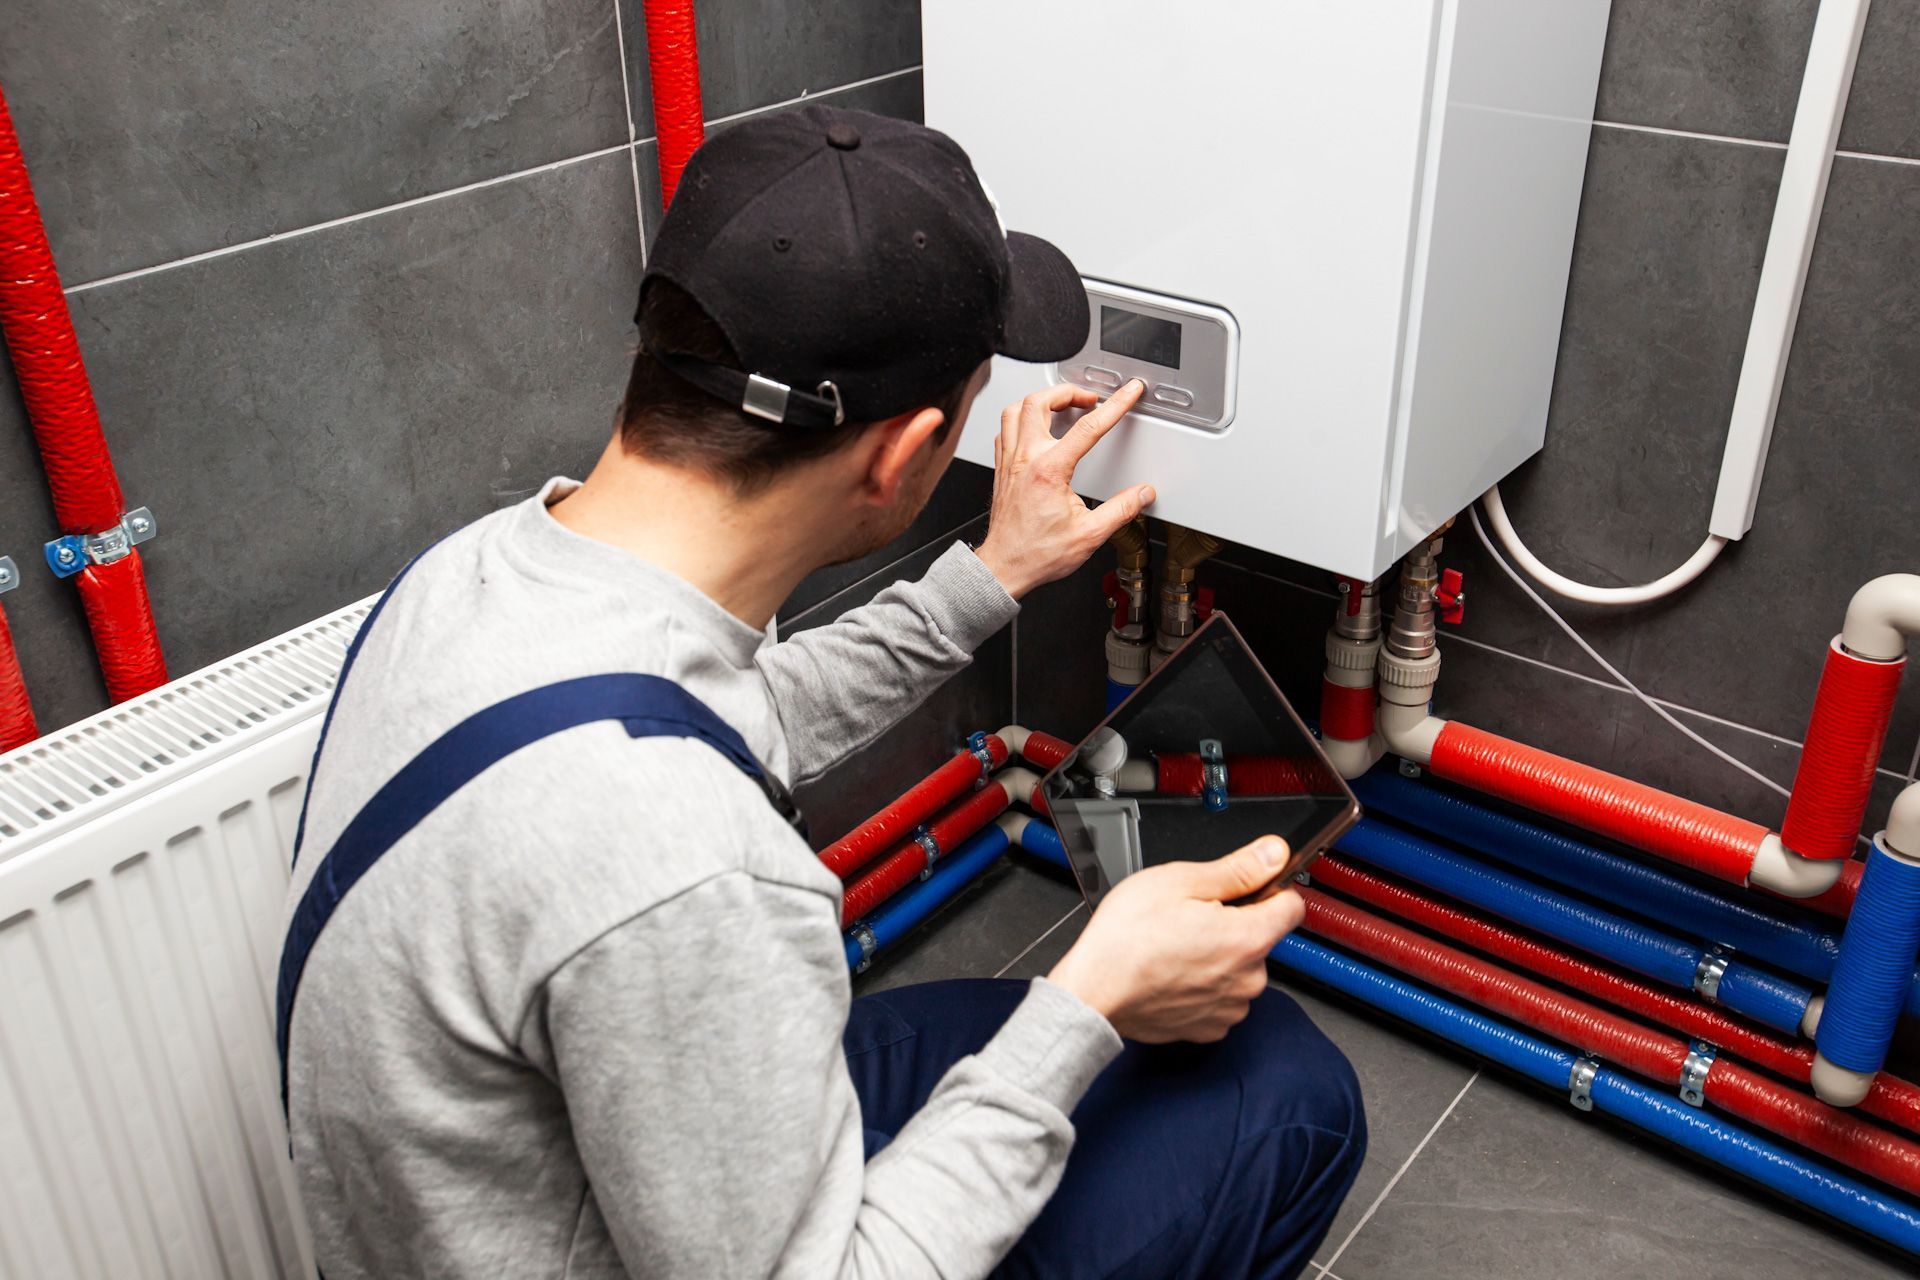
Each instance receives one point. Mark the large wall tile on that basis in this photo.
(303, 417)
(754, 53)
(1880, 109)
(899, 96)
(166, 128)
(1728, 67)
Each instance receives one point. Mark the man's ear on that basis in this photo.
(892, 447)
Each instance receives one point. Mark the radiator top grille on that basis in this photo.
(75, 774)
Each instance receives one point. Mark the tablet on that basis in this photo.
(1204, 757)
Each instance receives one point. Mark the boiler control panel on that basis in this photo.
(1187, 353)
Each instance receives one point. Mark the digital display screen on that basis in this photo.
(1128, 333)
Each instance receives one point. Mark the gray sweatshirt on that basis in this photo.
(585, 1019)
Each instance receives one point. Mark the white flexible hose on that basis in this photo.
(1564, 586)
(1614, 671)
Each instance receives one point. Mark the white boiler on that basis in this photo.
(1331, 235)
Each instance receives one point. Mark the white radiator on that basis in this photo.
(144, 857)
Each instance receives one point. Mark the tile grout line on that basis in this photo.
(821, 93)
(1327, 1267)
(345, 219)
(633, 148)
(1877, 157)
(894, 564)
(1028, 950)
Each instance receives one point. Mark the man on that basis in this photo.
(564, 989)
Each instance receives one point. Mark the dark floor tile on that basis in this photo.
(958, 503)
(305, 416)
(171, 127)
(1408, 1083)
(978, 697)
(1517, 1183)
(980, 933)
(754, 53)
(899, 96)
(1707, 66)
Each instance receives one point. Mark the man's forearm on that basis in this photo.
(840, 686)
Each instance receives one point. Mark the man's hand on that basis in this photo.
(1040, 530)
(1164, 958)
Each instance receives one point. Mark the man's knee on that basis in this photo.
(1295, 1076)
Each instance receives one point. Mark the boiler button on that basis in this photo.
(1100, 377)
(1176, 397)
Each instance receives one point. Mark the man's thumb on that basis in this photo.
(1243, 871)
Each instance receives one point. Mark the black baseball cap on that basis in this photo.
(857, 267)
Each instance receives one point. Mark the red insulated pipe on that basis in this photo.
(1044, 751)
(1656, 1055)
(1850, 715)
(1891, 1099)
(16, 712)
(66, 425)
(673, 70)
(1346, 713)
(1179, 774)
(925, 798)
(1586, 1027)
(1680, 830)
(898, 869)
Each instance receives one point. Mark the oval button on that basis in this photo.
(1174, 397)
(1100, 376)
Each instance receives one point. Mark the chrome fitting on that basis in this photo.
(924, 838)
(9, 574)
(1580, 1083)
(1708, 973)
(69, 555)
(1693, 1073)
(1213, 775)
(1357, 616)
(1415, 625)
(869, 944)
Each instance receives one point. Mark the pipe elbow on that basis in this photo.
(1015, 736)
(1780, 870)
(1019, 783)
(1409, 732)
(1839, 1086)
(1352, 757)
(1902, 835)
(1882, 616)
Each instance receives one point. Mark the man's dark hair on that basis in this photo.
(669, 420)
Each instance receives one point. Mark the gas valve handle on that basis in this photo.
(1451, 596)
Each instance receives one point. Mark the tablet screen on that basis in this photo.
(1204, 757)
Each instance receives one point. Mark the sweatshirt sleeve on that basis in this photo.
(708, 1092)
(840, 686)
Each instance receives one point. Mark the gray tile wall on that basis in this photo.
(348, 277)
(1696, 100)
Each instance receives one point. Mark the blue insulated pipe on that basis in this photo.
(1800, 948)
(904, 910)
(1698, 1131)
(1043, 842)
(1743, 989)
(1883, 933)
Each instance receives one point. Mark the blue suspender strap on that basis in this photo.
(649, 707)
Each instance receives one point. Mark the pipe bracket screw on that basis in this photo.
(1709, 972)
(1408, 769)
(69, 555)
(977, 744)
(1693, 1073)
(924, 838)
(9, 574)
(869, 944)
(1580, 1083)
(1213, 775)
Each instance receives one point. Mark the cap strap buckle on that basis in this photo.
(765, 398)
(757, 394)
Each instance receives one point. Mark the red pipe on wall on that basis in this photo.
(1892, 1099)
(16, 712)
(66, 424)
(925, 798)
(1691, 834)
(673, 69)
(1830, 1131)
(1851, 712)
(898, 869)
